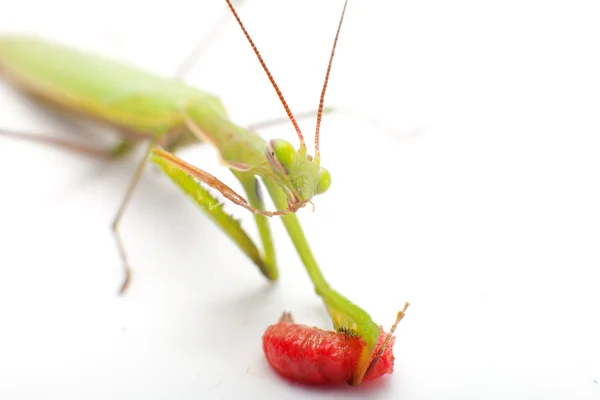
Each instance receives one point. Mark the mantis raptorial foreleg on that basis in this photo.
(214, 209)
(215, 183)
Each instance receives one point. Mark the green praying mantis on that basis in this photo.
(168, 115)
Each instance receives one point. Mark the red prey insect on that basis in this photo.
(311, 355)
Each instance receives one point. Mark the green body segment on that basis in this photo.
(239, 148)
(105, 89)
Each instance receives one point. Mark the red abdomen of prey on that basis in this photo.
(311, 355)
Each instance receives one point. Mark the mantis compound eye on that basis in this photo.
(324, 181)
(284, 153)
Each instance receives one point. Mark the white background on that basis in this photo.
(467, 185)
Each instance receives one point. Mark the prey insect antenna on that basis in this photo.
(387, 339)
(322, 99)
(264, 66)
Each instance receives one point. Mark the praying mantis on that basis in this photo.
(168, 115)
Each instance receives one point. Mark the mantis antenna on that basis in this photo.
(322, 99)
(264, 66)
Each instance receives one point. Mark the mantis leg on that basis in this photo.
(122, 207)
(214, 209)
(119, 150)
(253, 192)
(215, 183)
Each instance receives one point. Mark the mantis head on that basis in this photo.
(297, 172)
(300, 176)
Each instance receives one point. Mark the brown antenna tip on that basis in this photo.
(322, 99)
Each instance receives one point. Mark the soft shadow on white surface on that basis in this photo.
(487, 220)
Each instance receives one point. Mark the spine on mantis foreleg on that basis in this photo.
(214, 209)
(346, 316)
